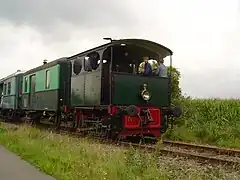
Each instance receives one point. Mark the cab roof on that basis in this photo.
(150, 45)
(146, 44)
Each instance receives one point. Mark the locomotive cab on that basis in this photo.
(125, 61)
(140, 103)
(108, 93)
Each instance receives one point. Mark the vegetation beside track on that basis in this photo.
(211, 121)
(67, 157)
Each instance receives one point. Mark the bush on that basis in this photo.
(176, 90)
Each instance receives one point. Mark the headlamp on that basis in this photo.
(145, 94)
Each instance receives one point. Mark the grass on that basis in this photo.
(68, 158)
(210, 121)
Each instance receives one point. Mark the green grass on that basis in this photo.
(68, 158)
(210, 121)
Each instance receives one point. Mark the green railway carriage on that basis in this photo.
(46, 87)
(10, 89)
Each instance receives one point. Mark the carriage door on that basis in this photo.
(32, 91)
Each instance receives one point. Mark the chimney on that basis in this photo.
(44, 61)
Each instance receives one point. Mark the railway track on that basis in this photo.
(202, 153)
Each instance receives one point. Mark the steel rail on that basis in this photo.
(217, 150)
(235, 164)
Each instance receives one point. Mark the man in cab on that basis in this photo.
(161, 70)
(145, 68)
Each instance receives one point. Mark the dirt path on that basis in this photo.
(13, 167)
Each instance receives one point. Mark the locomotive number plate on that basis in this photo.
(130, 119)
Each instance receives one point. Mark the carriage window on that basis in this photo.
(5, 89)
(77, 66)
(20, 88)
(9, 88)
(25, 84)
(47, 81)
(91, 61)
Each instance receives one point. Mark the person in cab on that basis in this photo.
(154, 64)
(161, 70)
(145, 68)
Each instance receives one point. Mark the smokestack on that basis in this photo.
(44, 61)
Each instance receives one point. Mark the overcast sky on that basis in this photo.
(204, 35)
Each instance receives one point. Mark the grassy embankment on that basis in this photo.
(70, 158)
(209, 121)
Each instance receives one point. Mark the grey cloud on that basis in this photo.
(47, 15)
(79, 12)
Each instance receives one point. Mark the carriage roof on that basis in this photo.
(12, 75)
(47, 65)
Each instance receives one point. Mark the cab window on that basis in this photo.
(91, 61)
(127, 58)
(77, 66)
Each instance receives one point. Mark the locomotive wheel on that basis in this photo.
(36, 118)
(112, 134)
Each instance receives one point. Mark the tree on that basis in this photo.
(176, 90)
